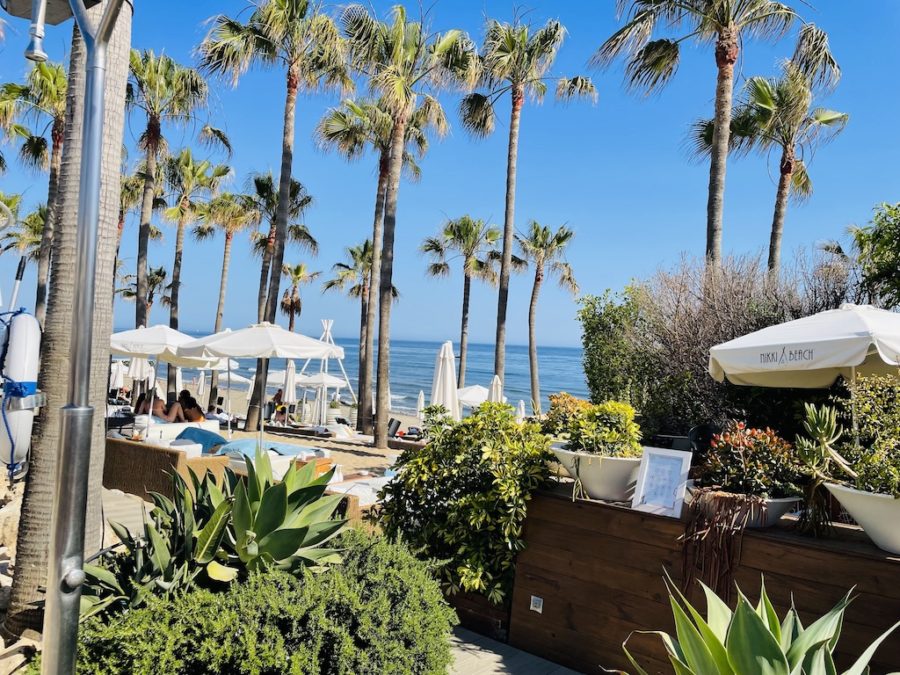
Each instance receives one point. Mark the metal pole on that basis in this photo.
(20, 272)
(66, 574)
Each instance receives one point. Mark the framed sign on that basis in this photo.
(662, 481)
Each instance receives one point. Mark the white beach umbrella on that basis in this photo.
(179, 380)
(472, 396)
(496, 393)
(235, 378)
(260, 341)
(321, 380)
(275, 378)
(520, 412)
(139, 369)
(201, 384)
(420, 406)
(118, 370)
(159, 342)
(290, 383)
(443, 386)
(812, 352)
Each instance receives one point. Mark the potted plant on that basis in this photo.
(602, 450)
(752, 474)
(334, 411)
(872, 497)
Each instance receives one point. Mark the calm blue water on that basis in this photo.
(412, 369)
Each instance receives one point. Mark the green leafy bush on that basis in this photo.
(605, 429)
(876, 460)
(751, 640)
(753, 462)
(378, 612)
(462, 498)
(564, 408)
(211, 533)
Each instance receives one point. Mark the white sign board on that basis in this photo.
(662, 481)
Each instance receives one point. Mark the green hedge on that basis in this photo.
(379, 612)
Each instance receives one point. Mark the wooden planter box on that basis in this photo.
(478, 614)
(599, 570)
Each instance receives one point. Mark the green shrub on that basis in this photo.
(462, 498)
(753, 462)
(564, 408)
(378, 612)
(876, 459)
(606, 429)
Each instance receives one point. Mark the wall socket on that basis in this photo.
(537, 604)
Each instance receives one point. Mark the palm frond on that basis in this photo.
(579, 86)
(652, 66)
(215, 138)
(814, 58)
(477, 113)
(801, 184)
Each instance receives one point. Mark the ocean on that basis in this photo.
(412, 369)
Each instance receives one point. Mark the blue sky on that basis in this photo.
(616, 172)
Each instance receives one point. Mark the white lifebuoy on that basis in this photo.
(20, 372)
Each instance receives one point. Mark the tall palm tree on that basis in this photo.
(190, 181)
(350, 128)
(24, 235)
(402, 61)
(545, 250)
(724, 24)
(264, 196)
(515, 61)
(229, 213)
(165, 92)
(41, 100)
(291, 303)
(40, 486)
(472, 242)
(297, 35)
(782, 118)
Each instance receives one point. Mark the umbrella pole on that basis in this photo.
(853, 421)
(262, 401)
(228, 394)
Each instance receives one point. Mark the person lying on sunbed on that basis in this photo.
(192, 411)
(174, 414)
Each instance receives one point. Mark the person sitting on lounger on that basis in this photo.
(192, 411)
(173, 414)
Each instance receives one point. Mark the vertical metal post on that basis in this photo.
(66, 574)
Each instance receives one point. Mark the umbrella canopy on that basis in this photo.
(520, 412)
(290, 384)
(472, 396)
(812, 352)
(201, 384)
(235, 378)
(320, 380)
(420, 406)
(443, 386)
(118, 371)
(496, 393)
(260, 341)
(139, 369)
(159, 342)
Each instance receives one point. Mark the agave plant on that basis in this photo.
(751, 640)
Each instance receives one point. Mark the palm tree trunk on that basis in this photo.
(41, 485)
(509, 229)
(141, 309)
(173, 293)
(220, 312)
(464, 330)
(532, 340)
(291, 313)
(781, 202)
(363, 339)
(264, 274)
(281, 218)
(385, 282)
(367, 359)
(43, 271)
(727, 49)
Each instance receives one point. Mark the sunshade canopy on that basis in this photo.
(158, 342)
(473, 395)
(814, 351)
(320, 380)
(260, 341)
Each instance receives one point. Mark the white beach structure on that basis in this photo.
(443, 385)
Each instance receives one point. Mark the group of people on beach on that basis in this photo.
(184, 409)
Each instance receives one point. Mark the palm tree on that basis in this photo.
(514, 60)
(190, 181)
(264, 197)
(297, 35)
(41, 487)
(400, 59)
(472, 241)
(165, 92)
(782, 118)
(291, 302)
(25, 235)
(230, 213)
(41, 100)
(350, 129)
(156, 285)
(725, 24)
(545, 250)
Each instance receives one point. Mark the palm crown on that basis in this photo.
(40, 100)
(23, 235)
(545, 249)
(469, 239)
(190, 180)
(263, 196)
(352, 276)
(228, 211)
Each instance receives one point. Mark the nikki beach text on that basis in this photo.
(786, 356)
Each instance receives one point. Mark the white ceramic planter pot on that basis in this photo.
(609, 478)
(332, 415)
(879, 515)
(775, 510)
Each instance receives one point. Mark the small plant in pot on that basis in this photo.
(602, 451)
(753, 474)
(871, 491)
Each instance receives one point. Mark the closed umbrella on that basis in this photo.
(443, 386)
(139, 369)
(520, 412)
(420, 407)
(179, 380)
(496, 392)
(290, 383)
(117, 372)
(201, 384)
